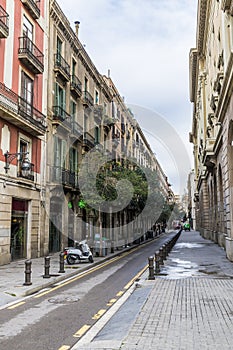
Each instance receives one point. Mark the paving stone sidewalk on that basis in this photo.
(188, 307)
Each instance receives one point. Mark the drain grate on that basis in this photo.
(63, 300)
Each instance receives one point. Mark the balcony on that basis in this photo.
(30, 55)
(61, 117)
(209, 157)
(77, 129)
(88, 100)
(63, 176)
(27, 111)
(88, 140)
(4, 23)
(33, 7)
(76, 86)
(226, 5)
(61, 67)
(20, 113)
(115, 140)
(98, 113)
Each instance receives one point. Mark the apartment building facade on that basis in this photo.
(211, 82)
(22, 126)
(59, 120)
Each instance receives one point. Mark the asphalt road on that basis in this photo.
(56, 318)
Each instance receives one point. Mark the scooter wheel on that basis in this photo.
(91, 259)
(70, 260)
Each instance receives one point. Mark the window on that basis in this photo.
(73, 67)
(85, 124)
(27, 93)
(59, 46)
(60, 99)
(59, 152)
(85, 84)
(27, 28)
(73, 160)
(97, 135)
(96, 97)
(73, 108)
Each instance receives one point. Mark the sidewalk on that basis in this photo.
(189, 306)
(12, 276)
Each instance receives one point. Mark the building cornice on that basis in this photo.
(63, 25)
(201, 22)
(192, 74)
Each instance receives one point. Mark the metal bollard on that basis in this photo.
(151, 268)
(28, 272)
(164, 252)
(62, 263)
(46, 267)
(161, 256)
(157, 261)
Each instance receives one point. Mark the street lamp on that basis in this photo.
(26, 165)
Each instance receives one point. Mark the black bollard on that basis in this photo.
(164, 252)
(62, 263)
(161, 256)
(157, 261)
(46, 267)
(28, 272)
(151, 268)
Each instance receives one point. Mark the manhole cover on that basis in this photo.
(63, 300)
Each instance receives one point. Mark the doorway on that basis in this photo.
(19, 227)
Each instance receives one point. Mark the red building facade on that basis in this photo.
(22, 126)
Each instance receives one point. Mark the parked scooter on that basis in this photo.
(81, 252)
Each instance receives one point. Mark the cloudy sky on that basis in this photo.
(145, 44)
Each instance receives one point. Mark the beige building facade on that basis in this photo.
(211, 84)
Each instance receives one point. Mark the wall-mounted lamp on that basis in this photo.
(25, 166)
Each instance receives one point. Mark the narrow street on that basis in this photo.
(61, 314)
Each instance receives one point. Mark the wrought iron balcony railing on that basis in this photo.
(77, 129)
(61, 116)
(18, 111)
(63, 176)
(88, 140)
(76, 85)
(30, 113)
(4, 23)
(61, 66)
(33, 7)
(30, 55)
(88, 100)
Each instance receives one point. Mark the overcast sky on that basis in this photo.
(145, 44)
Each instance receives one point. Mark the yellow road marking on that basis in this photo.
(77, 277)
(129, 284)
(119, 294)
(99, 314)
(16, 305)
(112, 301)
(81, 331)
(64, 347)
(88, 273)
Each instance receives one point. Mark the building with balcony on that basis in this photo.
(22, 128)
(85, 113)
(211, 81)
(76, 108)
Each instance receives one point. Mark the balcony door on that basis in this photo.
(27, 93)
(19, 225)
(27, 34)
